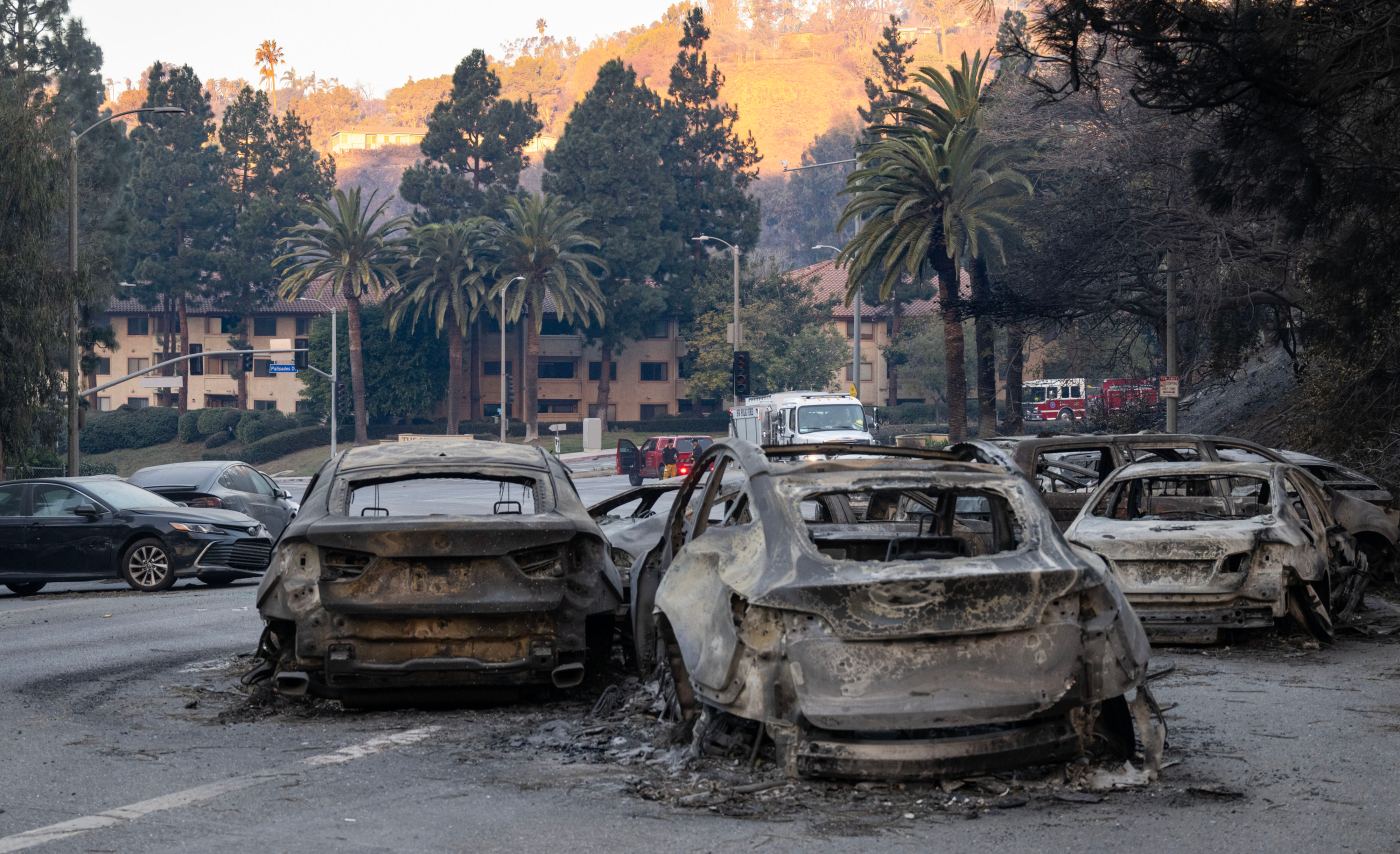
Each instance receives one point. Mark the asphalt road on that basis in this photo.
(127, 731)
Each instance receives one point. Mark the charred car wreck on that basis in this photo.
(1203, 547)
(429, 567)
(890, 617)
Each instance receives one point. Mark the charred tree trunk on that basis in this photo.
(182, 313)
(985, 337)
(474, 371)
(605, 356)
(454, 377)
(357, 369)
(953, 346)
(1015, 368)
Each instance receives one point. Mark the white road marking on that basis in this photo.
(207, 792)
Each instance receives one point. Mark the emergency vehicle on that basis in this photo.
(801, 417)
(1075, 398)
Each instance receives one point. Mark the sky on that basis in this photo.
(379, 44)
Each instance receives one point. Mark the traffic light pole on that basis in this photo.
(185, 358)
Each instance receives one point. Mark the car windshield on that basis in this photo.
(830, 416)
(451, 494)
(125, 496)
(1189, 497)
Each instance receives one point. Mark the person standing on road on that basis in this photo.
(668, 459)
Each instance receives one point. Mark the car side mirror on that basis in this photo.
(87, 511)
(282, 493)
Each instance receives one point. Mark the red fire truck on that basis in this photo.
(1075, 398)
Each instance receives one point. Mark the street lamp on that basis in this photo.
(502, 372)
(855, 335)
(734, 250)
(74, 368)
(334, 376)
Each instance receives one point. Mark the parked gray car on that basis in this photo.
(224, 484)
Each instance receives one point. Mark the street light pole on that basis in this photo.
(1170, 337)
(734, 251)
(502, 372)
(75, 310)
(855, 334)
(335, 366)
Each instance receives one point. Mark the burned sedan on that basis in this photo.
(437, 566)
(1203, 547)
(845, 606)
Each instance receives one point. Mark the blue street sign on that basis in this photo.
(281, 369)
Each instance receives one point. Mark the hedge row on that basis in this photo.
(126, 427)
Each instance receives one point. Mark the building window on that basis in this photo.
(659, 328)
(265, 405)
(867, 372)
(653, 410)
(104, 366)
(867, 330)
(303, 405)
(301, 360)
(158, 324)
(558, 369)
(265, 326)
(138, 325)
(196, 365)
(137, 364)
(303, 326)
(104, 404)
(655, 372)
(493, 369)
(260, 367)
(226, 325)
(685, 405)
(595, 371)
(612, 411)
(224, 366)
(683, 367)
(138, 402)
(557, 406)
(554, 326)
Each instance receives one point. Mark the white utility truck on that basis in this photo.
(800, 418)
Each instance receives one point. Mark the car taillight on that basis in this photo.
(683, 469)
(546, 562)
(204, 501)
(338, 563)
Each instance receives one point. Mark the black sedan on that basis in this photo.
(94, 528)
(225, 484)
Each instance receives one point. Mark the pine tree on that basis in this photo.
(177, 207)
(474, 149)
(627, 197)
(893, 55)
(712, 165)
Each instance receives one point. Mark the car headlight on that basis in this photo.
(194, 528)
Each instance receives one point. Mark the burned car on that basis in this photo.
(846, 606)
(1066, 469)
(1203, 547)
(437, 566)
(633, 521)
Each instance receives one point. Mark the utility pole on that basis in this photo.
(734, 251)
(334, 376)
(1171, 338)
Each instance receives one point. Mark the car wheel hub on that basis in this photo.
(149, 565)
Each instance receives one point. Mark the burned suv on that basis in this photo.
(437, 566)
(888, 616)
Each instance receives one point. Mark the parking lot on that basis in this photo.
(129, 730)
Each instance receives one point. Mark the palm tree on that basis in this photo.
(542, 243)
(446, 278)
(354, 248)
(268, 57)
(924, 203)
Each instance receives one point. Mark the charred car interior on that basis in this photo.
(889, 616)
(434, 567)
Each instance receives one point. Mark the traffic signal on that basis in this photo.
(510, 393)
(741, 373)
(247, 363)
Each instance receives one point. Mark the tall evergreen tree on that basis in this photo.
(712, 165)
(627, 196)
(273, 173)
(474, 149)
(178, 208)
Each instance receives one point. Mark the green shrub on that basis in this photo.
(126, 427)
(218, 440)
(189, 427)
(259, 425)
(307, 418)
(211, 421)
(286, 442)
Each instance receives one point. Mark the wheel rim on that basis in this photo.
(149, 566)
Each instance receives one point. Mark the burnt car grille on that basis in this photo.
(244, 554)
